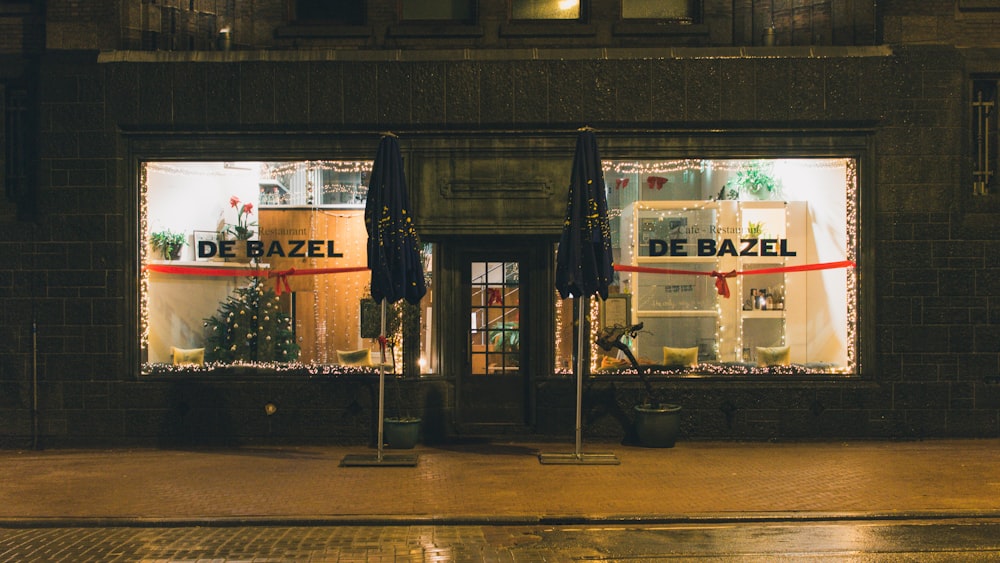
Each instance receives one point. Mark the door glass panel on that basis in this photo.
(494, 334)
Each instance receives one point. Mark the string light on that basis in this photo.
(851, 188)
(274, 170)
(143, 272)
(595, 319)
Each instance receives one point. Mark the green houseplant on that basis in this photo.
(168, 243)
(506, 338)
(656, 422)
(755, 180)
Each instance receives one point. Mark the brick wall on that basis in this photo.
(935, 302)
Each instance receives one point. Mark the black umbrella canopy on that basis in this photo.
(584, 261)
(393, 245)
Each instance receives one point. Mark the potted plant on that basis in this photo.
(756, 181)
(505, 337)
(656, 422)
(168, 243)
(241, 230)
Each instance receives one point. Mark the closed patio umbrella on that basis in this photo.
(394, 260)
(584, 266)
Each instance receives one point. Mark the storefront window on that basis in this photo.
(264, 263)
(737, 266)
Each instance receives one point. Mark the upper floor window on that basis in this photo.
(545, 10)
(684, 11)
(985, 138)
(463, 11)
(344, 12)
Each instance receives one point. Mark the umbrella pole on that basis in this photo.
(578, 457)
(580, 360)
(380, 459)
(381, 384)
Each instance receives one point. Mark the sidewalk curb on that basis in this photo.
(473, 520)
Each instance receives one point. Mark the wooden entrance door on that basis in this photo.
(492, 387)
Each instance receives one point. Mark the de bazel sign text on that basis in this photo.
(261, 249)
(744, 246)
(723, 247)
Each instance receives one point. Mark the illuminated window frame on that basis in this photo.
(328, 365)
(613, 170)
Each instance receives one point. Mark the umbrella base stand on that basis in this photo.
(578, 459)
(386, 460)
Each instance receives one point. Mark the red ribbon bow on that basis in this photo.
(720, 282)
(281, 281)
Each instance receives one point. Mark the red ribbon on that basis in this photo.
(281, 278)
(721, 285)
(199, 271)
(720, 278)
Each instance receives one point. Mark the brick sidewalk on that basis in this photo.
(504, 482)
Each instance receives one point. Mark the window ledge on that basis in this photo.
(320, 31)
(548, 29)
(436, 29)
(979, 5)
(658, 29)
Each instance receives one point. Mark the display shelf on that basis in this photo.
(206, 264)
(776, 314)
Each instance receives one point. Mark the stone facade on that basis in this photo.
(929, 300)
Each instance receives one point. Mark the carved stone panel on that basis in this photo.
(478, 186)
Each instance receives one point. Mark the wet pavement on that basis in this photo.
(895, 541)
(494, 501)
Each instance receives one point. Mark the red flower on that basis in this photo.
(241, 230)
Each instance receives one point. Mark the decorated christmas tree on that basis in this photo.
(250, 327)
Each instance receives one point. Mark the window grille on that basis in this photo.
(984, 130)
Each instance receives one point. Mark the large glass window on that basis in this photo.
(738, 266)
(264, 263)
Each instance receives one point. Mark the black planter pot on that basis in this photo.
(401, 434)
(657, 427)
